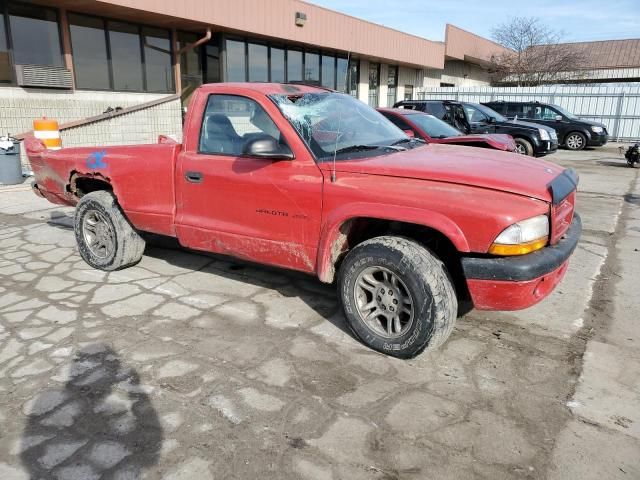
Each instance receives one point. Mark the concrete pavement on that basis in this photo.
(195, 366)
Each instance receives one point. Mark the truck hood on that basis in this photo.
(484, 168)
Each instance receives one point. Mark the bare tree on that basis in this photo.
(535, 54)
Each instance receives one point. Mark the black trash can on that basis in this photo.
(10, 167)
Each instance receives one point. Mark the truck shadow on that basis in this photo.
(102, 424)
(322, 298)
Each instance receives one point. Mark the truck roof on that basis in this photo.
(266, 88)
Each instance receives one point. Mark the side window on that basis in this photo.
(549, 113)
(498, 107)
(474, 115)
(229, 121)
(519, 110)
(541, 112)
(437, 109)
(398, 122)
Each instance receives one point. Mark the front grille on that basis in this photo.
(561, 217)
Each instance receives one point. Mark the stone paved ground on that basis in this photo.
(190, 366)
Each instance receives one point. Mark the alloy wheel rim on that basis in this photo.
(98, 234)
(574, 142)
(520, 149)
(384, 302)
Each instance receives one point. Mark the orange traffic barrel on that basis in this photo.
(48, 132)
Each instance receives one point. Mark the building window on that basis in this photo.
(190, 65)
(408, 92)
(341, 74)
(311, 67)
(374, 83)
(157, 60)
(212, 63)
(5, 60)
(90, 59)
(277, 65)
(353, 78)
(392, 85)
(328, 71)
(294, 66)
(236, 61)
(126, 56)
(445, 84)
(258, 63)
(35, 35)
(112, 55)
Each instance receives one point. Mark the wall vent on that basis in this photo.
(43, 76)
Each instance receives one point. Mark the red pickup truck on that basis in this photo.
(313, 180)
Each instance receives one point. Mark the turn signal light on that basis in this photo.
(519, 249)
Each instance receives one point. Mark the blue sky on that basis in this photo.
(579, 20)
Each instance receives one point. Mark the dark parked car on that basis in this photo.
(573, 132)
(433, 130)
(531, 139)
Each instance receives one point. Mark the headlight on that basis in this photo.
(523, 237)
(595, 129)
(544, 135)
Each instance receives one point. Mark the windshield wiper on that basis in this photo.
(356, 148)
(408, 140)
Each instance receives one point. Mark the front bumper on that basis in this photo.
(597, 140)
(514, 283)
(545, 147)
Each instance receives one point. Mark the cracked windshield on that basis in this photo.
(332, 123)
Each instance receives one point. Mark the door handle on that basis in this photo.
(193, 177)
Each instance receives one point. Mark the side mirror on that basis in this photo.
(558, 118)
(492, 119)
(267, 147)
(409, 133)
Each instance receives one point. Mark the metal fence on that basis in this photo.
(617, 107)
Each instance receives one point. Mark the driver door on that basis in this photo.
(254, 208)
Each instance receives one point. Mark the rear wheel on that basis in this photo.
(397, 297)
(575, 141)
(106, 240)
(523, 147)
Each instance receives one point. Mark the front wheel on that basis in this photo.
(575, 141)
(106, 240)
(397, 296)
(523, 147)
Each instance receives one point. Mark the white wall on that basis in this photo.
(617, 107)
(459, 73)
(19, 107)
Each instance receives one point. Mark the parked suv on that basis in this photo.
(573, 132)
(531, 139)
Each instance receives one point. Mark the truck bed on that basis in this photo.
(59, 173)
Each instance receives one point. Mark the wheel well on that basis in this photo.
(522, 137)
(81, 185)
(358, 230)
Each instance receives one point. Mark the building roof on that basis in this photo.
(605, 54)
(463, 45)
(273, 20)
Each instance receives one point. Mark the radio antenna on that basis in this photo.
(335, 147)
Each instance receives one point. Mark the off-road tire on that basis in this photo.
(579, 143)
(128, 244)
(525, 147)
(426, 279)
